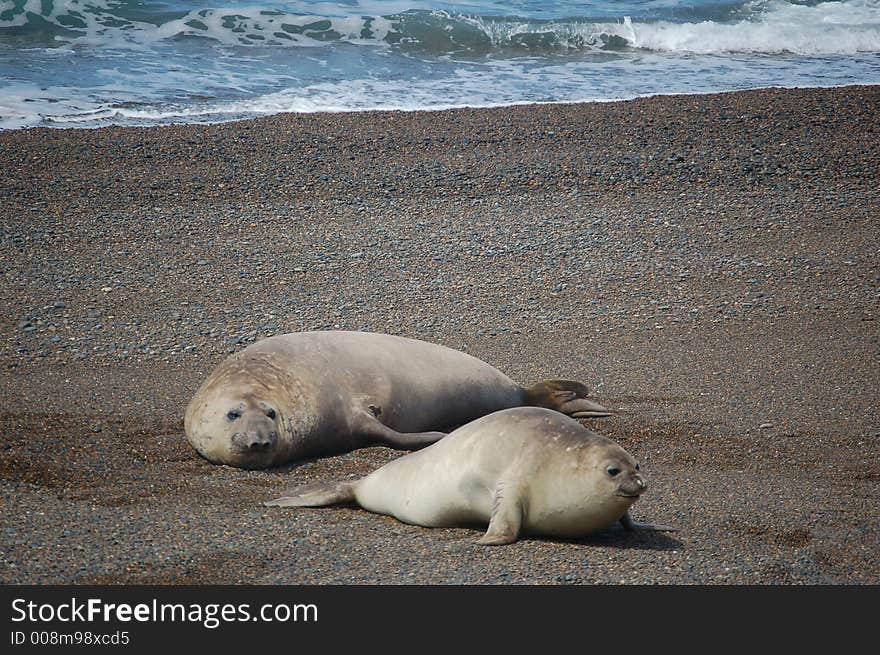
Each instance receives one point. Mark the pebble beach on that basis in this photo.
(707, 265)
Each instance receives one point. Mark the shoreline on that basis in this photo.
(383, 110)
(706, 264)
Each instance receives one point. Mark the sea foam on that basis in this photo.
(88, 63)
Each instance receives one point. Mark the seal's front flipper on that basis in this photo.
(564, 396)
(506, 521)
(377, 433)
(316, 495)
(628, 524)
(409, 440)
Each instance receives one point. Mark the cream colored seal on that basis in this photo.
(307, 394)
(522, 470)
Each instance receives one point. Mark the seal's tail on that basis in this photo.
(316, 495)
(564, 396)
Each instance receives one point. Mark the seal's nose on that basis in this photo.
(254, 441)
(258, 443)
(642, 484)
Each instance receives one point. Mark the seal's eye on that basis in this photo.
(613, 470)
(637, 467)
(271, 414)
(233, 414)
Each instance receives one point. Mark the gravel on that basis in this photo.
(707, 264)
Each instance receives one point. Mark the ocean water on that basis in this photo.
(89, 63)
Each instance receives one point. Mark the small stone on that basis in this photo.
(765, 426)
(106, 289)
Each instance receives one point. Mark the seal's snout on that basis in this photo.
(254, 441)
(633, 487)
(261, 444)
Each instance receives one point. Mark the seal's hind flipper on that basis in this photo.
(628, 524)
(318, 494)
(564, 396)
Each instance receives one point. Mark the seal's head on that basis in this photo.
(237, 416)
(624, 477)
(243, 430)
(614, 476)
(587, 483)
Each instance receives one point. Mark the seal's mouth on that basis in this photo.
(624, 494)
(252, 453)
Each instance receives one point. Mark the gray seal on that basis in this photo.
(308, 394)
(522, 470)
